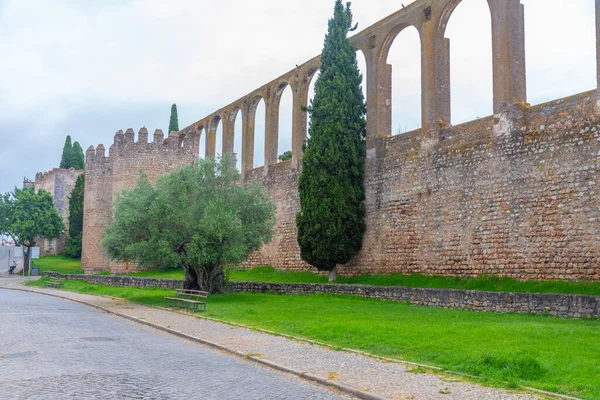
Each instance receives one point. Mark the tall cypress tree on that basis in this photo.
(331, 218)
(65, 160)
(173, 122)
(73, 246)
(77, 158)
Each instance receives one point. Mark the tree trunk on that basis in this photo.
(26, 259)
(212, 278)
(217, 278)
(332, 274)
(191, 278)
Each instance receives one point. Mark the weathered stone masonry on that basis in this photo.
(106, 177)
(514, 194)
(562, 305)
(59, 182)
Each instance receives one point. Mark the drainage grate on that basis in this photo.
(98, 339)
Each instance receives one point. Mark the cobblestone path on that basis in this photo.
(55, 349)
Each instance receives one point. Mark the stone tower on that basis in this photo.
(107, 176)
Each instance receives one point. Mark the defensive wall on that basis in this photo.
(107, 176)
(513, 194)
(60, 183)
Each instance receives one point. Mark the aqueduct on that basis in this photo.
(513, 194)
(430, 18)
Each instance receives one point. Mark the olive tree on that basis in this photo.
(199, 217)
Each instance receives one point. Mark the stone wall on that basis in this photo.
(59, 182)
(563, 305)
(515, 194)
(107, 176)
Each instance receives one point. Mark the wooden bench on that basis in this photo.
(194, 299)
(55, 282)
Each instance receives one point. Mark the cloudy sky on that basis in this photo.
(88, 69)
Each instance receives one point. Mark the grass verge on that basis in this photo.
(558, 355)
(485, 283)
(58, 263)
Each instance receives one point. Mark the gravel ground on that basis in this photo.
(386, 379)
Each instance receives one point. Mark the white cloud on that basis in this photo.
(64, 62)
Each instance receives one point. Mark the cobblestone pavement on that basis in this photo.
(393, 380)
(55, 349)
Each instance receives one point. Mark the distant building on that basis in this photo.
(59, 182)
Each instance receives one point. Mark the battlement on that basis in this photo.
(124, 144)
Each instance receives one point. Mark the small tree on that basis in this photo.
(65, 159)
(287, 155)
(331, 218)
(73, 246)
(26, 216)
(198, 217)
(173, 121)
(77, 158)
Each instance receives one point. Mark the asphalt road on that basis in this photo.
(55, 349)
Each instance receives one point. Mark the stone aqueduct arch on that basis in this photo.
(430, 18)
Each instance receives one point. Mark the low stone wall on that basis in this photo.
(563, 305)
(124, 281)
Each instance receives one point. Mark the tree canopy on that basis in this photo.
(198, 217)
(26, 216)
(331, 219)
(65, 159)
(72, 155)
(77, 158)
(286, 155)
(73, 246)
(173, 121)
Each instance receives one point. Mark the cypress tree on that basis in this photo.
(331, 218)
(73, 246)
(65, 160)
(173, 122)
(77, 158)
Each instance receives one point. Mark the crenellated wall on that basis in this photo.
(107, 175)
(59, 182)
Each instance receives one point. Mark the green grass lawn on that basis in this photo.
(487, 283)
(58, 263)
(559, 355)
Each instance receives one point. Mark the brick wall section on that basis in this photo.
(60, 183)
(515, 194)
(107, 176)
(563, 305)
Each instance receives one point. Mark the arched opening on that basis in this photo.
(561, 60)
(311, 96)
(362, 67)
(202, 142)
(259, 134)
(237, 138)
(404, 56)
(286, 104)
(470, 32)
(219, 139)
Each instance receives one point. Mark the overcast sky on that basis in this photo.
(88, 69)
